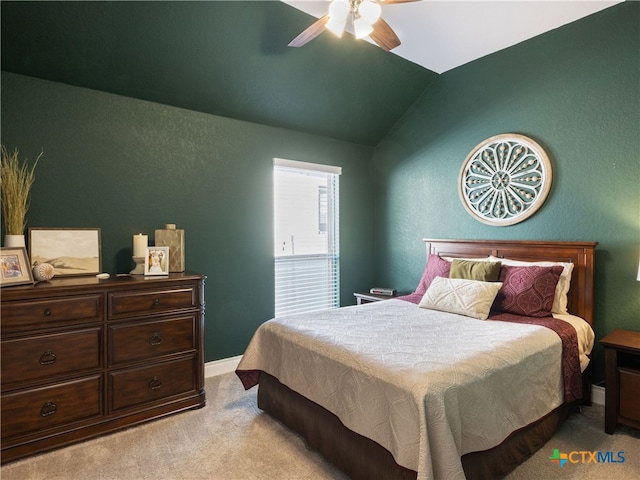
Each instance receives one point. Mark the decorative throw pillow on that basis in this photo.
(527, 291)
(436, 267)
(564, 282)
(472, 270)
(464, 297)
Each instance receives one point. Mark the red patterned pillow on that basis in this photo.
(436, 267)
(527, 291)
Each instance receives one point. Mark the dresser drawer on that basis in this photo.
(46, 356)
(41, 408)
(151, 301)
(630, 394)
(41, 313)
(147, 384)
(143, 340)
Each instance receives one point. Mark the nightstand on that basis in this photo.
(622, 379)
(365, 297)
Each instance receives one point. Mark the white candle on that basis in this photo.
(140, 244)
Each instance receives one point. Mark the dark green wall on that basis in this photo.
(574, 90)
(131, 166)
(226, 58)
(127, 166)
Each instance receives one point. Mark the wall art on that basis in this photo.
(505, 179)
(71, 251)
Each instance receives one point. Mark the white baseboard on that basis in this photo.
(597, 394)
(222, 366)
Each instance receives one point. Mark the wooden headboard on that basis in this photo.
(581, 254)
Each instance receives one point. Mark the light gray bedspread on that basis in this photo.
(428, 386)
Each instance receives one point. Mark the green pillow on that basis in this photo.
(471, 270)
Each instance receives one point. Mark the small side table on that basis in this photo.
(366, 297)
(622, 379)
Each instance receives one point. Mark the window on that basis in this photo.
(306, 237)
(322, 209)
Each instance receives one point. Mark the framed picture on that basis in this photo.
(156, 261)
(71, 251)
(16, 269)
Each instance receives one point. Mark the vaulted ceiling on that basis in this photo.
(443, 34)
(227, 58)
(223, 58)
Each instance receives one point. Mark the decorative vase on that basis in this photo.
(174, 239)
(14, 241)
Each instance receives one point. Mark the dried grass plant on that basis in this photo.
(16, 180)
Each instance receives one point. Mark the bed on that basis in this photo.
(408, 388)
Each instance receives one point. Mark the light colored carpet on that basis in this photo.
(231, 439)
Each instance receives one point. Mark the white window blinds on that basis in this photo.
(306, 237)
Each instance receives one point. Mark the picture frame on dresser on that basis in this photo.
(156, 261)
(71, 251)
(16, 269)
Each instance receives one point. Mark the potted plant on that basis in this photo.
(16, 180)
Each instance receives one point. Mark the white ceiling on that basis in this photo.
(443, 34)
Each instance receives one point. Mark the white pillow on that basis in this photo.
(457, 295)
(451, 259)
(562, 287)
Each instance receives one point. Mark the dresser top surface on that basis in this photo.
(623, 340)
(71, 283)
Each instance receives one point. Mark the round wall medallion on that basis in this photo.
(505, 179)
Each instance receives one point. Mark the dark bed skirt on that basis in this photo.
(363, 459)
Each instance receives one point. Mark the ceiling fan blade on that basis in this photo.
(310, 33)
(384, 36)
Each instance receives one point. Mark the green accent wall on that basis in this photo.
(130, 166)
(576, 91)
(227, 58)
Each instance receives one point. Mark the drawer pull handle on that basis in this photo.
(155, 383)
(48, 358)
(47, 312)
(155, 339)
(48, 408)
(156, 302)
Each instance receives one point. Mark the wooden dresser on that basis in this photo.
(83, 356)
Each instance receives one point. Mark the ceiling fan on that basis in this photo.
(363, 15)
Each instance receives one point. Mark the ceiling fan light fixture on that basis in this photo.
(336, 26)
(364, 18)
(361, 28)
(338, 13)
(369, 11)
(339, 9)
